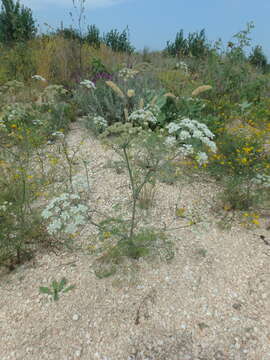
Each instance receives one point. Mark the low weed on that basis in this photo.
(56, 288)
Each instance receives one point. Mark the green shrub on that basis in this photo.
(195, 44)
(16, 22)
(118, 41)
(93, 37)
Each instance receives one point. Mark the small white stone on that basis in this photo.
(75, 317)
(78, 353)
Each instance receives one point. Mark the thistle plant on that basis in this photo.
(56, 288)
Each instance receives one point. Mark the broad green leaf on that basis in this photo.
(55, 296)
(45, 290)
(55, 285)
(68, 288)
(62, 284)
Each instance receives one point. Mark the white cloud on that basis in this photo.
(89, 4)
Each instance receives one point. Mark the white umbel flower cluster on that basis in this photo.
(184, 133)
(262, 180)
(100, 122)
(183, 66)
(38, 78)
(202, 158)
(142, 117)
(88, 84)
(4, 206)
(127, 73)
(170, 141)
(192, 129)
(186, 150)
(65, 214)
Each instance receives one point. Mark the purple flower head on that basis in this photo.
(101, 76)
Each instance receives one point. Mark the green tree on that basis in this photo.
(16, 22)
(117, 41)
(195, 44)
(258, 58)
(93, 37)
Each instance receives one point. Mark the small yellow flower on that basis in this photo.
(106, 234)
(180, 212)
(247, 150)
(256, 221)
(130, 93)
(227, 207)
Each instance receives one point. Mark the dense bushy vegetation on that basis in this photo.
(192, 107)
(16, 22)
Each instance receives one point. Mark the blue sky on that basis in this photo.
(153, 22)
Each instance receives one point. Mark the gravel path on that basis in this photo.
(212, 301)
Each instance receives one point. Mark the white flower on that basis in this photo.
(100, 122)
(192, 129)
(88, 84)
(127, 73)
(46, 214)
(202, 158)
(58, 134)
(182, 65)
(170, 141)
(143, 116)
(262, 179)
(184, 135)
(173, 127)
(39, 78)
(186, 150)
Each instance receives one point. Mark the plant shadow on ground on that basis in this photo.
(172, 346)
(147, 243)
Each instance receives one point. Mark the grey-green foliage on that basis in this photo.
(105, 102)
(68, 33)
(56, 288)
(16, 22)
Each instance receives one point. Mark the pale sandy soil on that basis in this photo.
(211, 301)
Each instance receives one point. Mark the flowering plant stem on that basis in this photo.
(135, 191)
